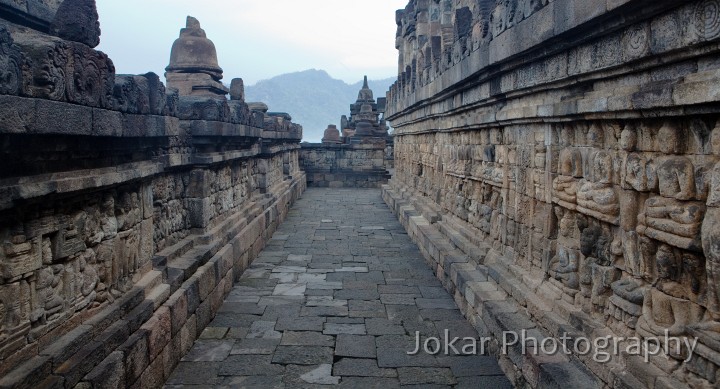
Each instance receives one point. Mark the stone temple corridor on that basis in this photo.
(336, 298)
(552, 175)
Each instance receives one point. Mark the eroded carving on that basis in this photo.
(663, 310)
(565, 186)
(599, 198)
(11, 62)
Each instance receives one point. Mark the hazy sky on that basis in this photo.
(258, 39)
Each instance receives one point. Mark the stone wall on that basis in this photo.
(358, 165)
(126, 211)
(558, 162)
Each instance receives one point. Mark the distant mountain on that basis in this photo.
(312, 98)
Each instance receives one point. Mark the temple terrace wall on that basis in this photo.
(345, 165)
(127, 210)
(558, 162)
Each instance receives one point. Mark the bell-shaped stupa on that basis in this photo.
(194, 68)
(332, 135)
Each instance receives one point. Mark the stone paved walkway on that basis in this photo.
(336, 298)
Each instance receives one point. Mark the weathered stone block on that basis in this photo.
(58, 118)
(110, 374)
(562, 375)
(107, 123)
(178, 306)
(136, 356)
(200, 212)
(77, 20)
(159, 331)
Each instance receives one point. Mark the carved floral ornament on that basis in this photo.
(707, 19)
(11, 62)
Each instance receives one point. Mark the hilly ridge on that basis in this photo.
(312, 97)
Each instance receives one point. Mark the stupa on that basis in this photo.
(366, 115)
(332, 135)
(194, 68)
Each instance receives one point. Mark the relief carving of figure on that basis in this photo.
(599, 199)
(676, 178)
(628, 138)
(588, 247)
(670, 218)
(631, 253)
(639, 174)
(711, 245)
(596, 270)
(626, 303)
(566, 183)
(629, 290)
(87, 282)
(648, 250)
(661, 310)
(125, 259)
(565, 264)
(674, 222)
(603, 277)
(108, 221)
(708, 329)
(128, 211)
(14, 310)
(48, 290)
(564, 267)
(711, 237)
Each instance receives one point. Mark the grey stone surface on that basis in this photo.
(300, 324)
(209, 351)
(298, 376)
(292, 338)
(422, 376)
(195, 373)
(352, 367)
(339, 328)
(302, 355)
(398, 357)
(398, 299)
(470, 366)
(357, 346)
(369, 383)
(251, 382)
(250, 365)
(275, 330)
(495, 382)
(255, 346)
(380, 326)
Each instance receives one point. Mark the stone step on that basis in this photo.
(189, 262)
(174, 251)
(476, 253)
(150, 281)
(92, 353)
(487, 291)
(27, 375)
(467, 231)
(76, 353)
(159, 295)
(180, 260)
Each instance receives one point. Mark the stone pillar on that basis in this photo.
(198, 198)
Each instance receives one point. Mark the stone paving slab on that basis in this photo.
(338, 298)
